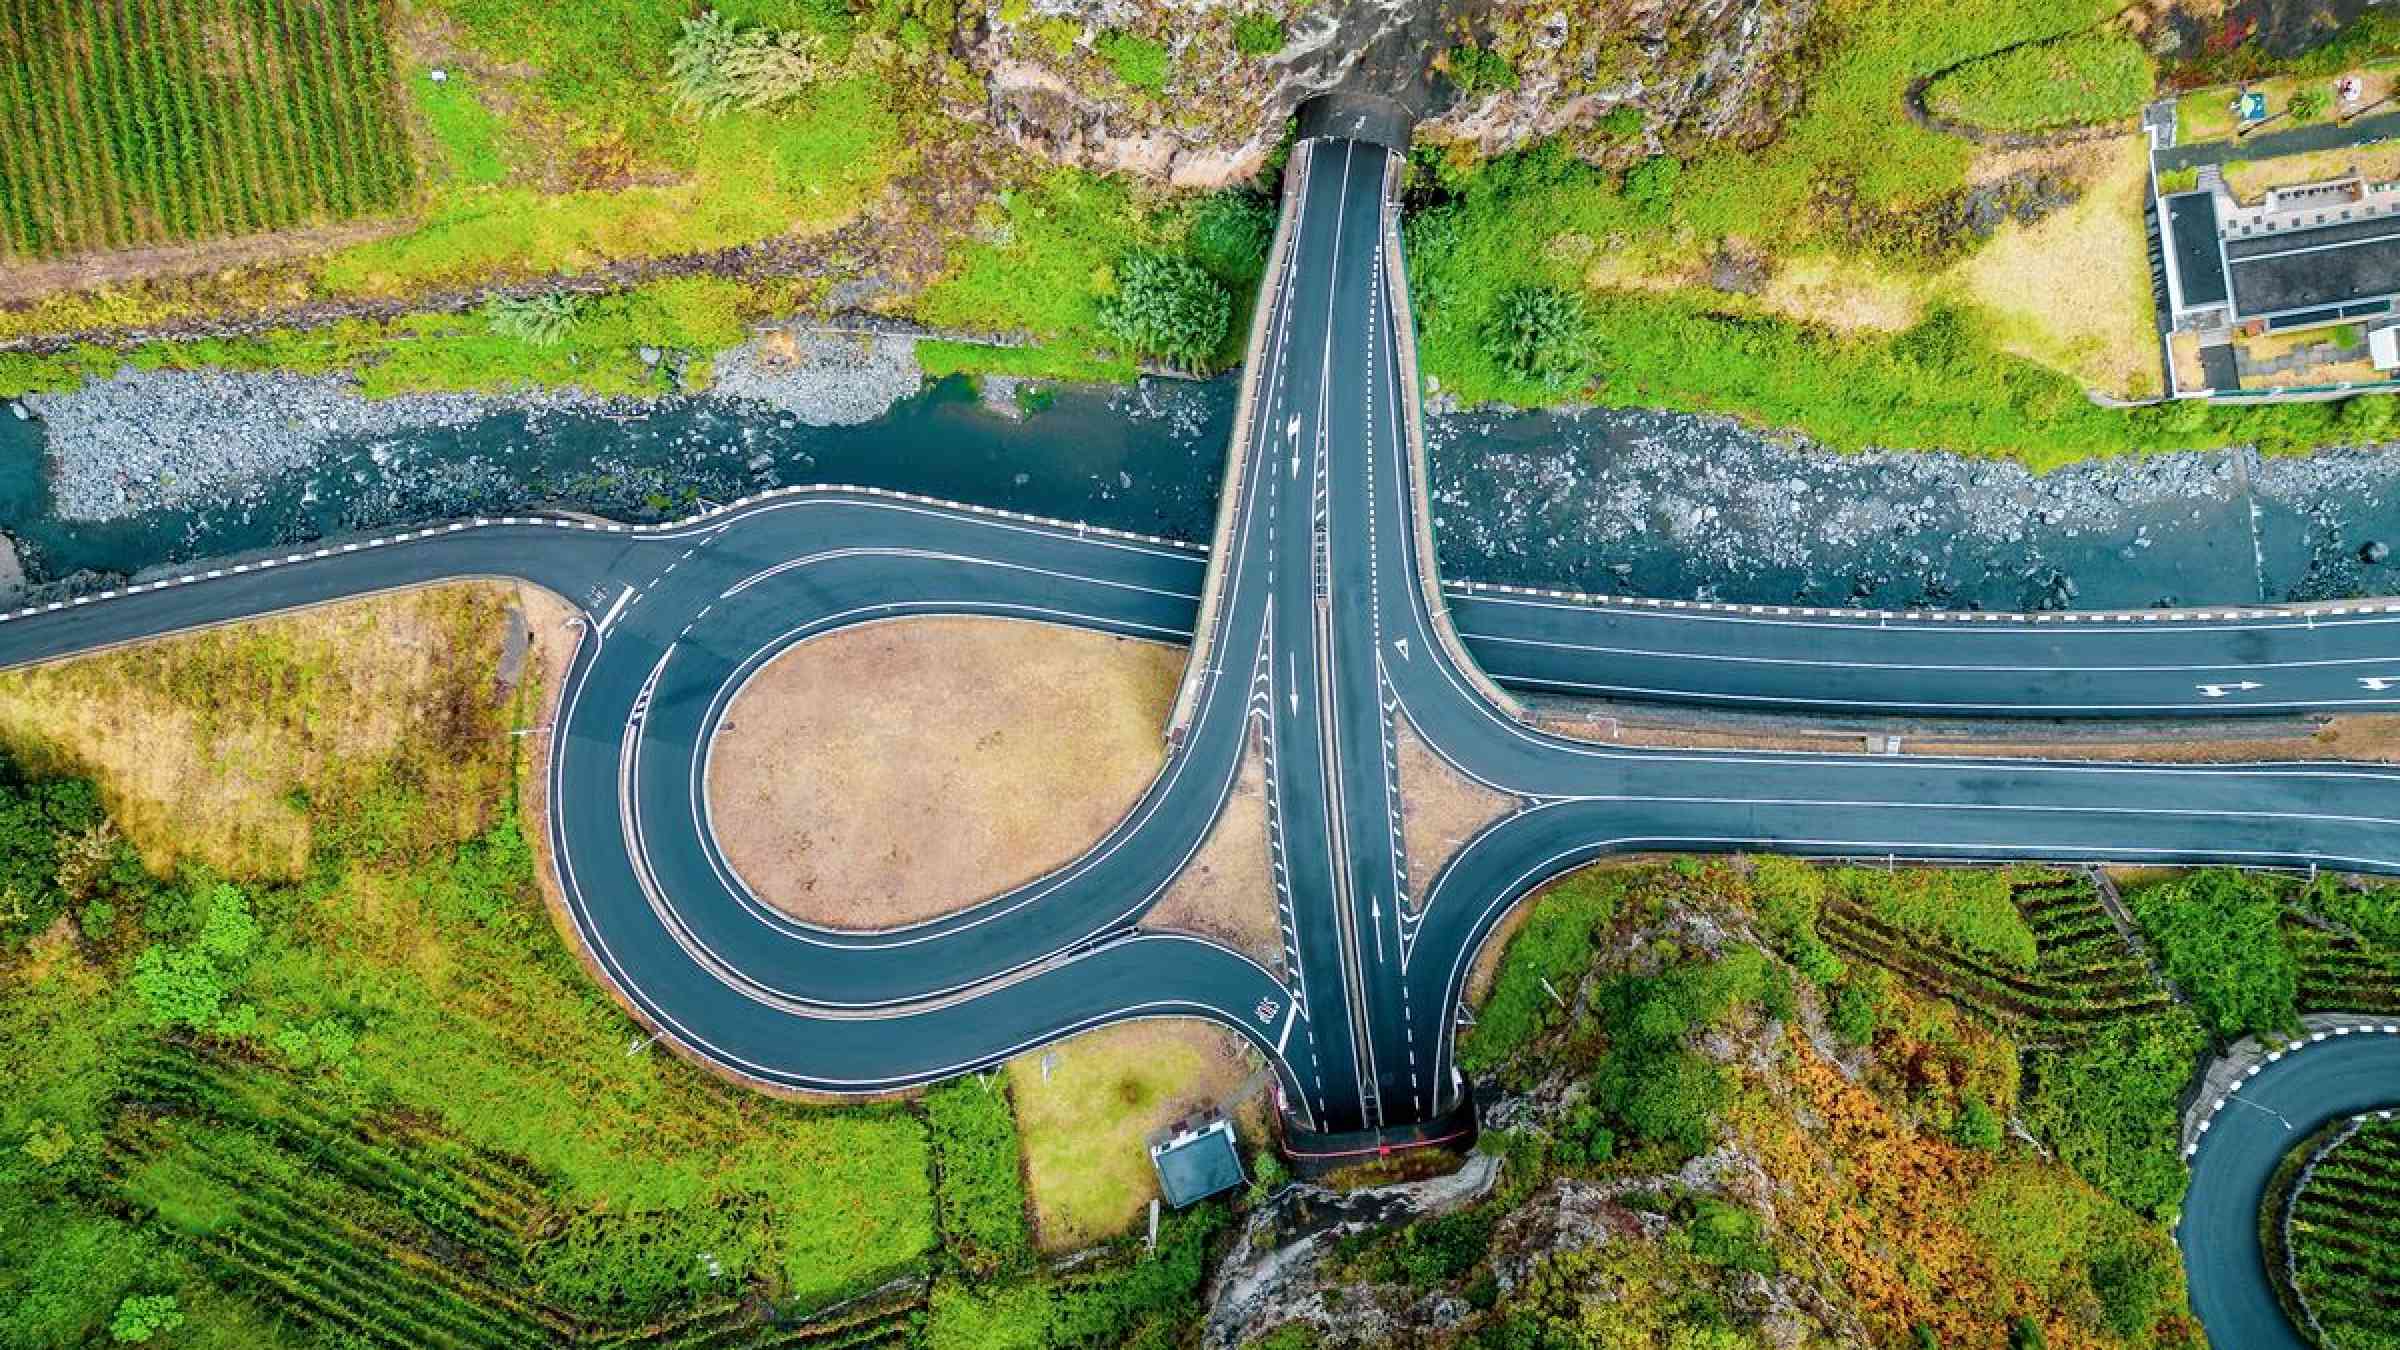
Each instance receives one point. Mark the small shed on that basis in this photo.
(1196, 1160)
(2383, 347)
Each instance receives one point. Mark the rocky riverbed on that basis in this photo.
(149, 467)
(1665, 504)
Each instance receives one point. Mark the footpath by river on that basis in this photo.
(151, 470)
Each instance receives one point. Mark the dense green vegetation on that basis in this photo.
(2347, 1266)
(595, 343)
(381, 1104)
(1548, 953)
(2043, 86)
(978, 1194)
(1895, 1178)
(145, 122)
(2104, 1053)
(1532, 223)
(2254, 951)
(2220, 937)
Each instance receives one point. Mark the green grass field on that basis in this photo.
(131, 122)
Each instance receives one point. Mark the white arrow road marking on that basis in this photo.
(1295, 683)
(1375, 922)
(1291, 433)
(2379, 683)
(2220, 690)
(615, 609)
(1402, 645)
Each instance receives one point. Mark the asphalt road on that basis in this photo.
(2275, 1110)
(1323, 643)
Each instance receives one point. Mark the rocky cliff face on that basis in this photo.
(1164, 89)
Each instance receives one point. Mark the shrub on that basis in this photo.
(541, 320)
(1650, 185)
(2220, 935)
(2110, 1103)
(1230, 233)
(2135, 1282)
(1475, 69)
(1138, 61)
(143, 1316)
(1541, 334)
(1978, 1126)
(1788, 895)
(35, 821)
(1258, 34)
(2071, 81)
(1623, 122)
(1169, 307)
(979, 1194)
(718, 66)
(2307, 105)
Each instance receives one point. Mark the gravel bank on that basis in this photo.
(822, 379)
(142, 440)
(1671, 505)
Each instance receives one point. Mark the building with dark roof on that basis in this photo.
(1195, 1161)
(2316, 254)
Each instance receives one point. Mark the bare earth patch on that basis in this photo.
(2356, 737)
(1085, 1123)
(1227, 891)
(1440, 810)
(2072, 290)
(892, 773)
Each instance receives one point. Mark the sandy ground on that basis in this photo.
(1227, 892)
(892, 773)
(1440, 809)
(1085, 1122)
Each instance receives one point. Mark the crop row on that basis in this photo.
(376, 1229)
(2339, 974)
(2342, 1226)
(133, 122)
(2084, 970)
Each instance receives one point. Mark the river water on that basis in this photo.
(1625, 502)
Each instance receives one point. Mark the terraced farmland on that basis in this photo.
(2343, 1219)
(2083, 970)
(2339, 972)
(383, 1231)
(134, 122)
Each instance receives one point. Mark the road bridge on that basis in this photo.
(1320, 633)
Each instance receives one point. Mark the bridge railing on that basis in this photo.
(1237, 456)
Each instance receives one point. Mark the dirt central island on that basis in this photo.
(891, 773)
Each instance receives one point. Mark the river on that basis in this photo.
(1628, 502)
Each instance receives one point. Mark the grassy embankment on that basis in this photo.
(298, 1056)
(1880, 323)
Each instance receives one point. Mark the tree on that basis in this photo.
(143, 1316)
(2307, 105)
(2220, 933)
(1541, 334)
(1167, 306)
